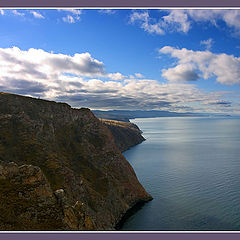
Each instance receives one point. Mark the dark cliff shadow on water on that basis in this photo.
(130, 213)
(185, 220)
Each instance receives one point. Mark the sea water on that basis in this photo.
(191, 167)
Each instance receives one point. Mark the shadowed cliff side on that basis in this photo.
(77, 174)
(125, 134)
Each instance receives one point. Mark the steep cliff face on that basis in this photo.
(83, 180)
(27, 200)
(125, 134)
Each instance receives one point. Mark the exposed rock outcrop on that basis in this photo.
(68, 173)
(126, 134)
(27, 200)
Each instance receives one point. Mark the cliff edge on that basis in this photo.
(126, 134)
(60, 169)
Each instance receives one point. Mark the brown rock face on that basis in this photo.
(125, 134)
(26, 200)
(77, 172)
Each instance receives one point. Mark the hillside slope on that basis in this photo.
(125, 134)
(61, 168)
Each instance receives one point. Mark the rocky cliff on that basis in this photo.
(125, 134)
(60, 169)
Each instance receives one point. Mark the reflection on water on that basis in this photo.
(191, 167)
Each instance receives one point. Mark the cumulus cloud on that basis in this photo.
(39, 63)
(37, 14)
(45, 66)
(182, 72)
(226, 68)
(181, 20)
(207, 43)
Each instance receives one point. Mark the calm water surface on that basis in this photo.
(191, 167)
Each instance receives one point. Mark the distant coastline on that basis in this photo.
(126, 115)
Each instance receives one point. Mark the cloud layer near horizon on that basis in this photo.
(82, 80)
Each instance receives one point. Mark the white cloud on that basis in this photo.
(175, 20)
(230, 16)
(145, 22)
(226, 68)
(68, 19)
(178, 20)
(61, 77)
(73, 11)
(15, 12)
(182, 72)
(35, 61)
(107, 11)
(181, 20)
(208, 43)
(139, 75)
(74, 17)
(116, 76)
(203, 14)
(45, 66)
(37, 14)
(1, 12)
(136, 76)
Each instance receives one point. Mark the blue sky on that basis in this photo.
(172, 59)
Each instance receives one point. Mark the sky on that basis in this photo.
(182, 60)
